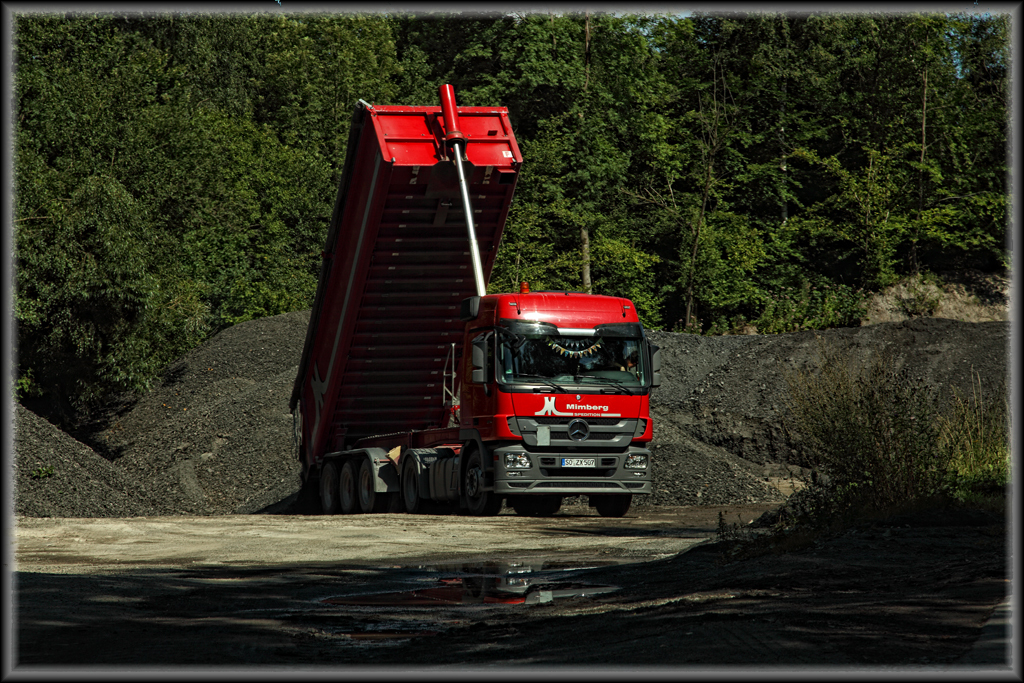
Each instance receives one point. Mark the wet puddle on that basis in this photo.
(385, 635)
(490, 583)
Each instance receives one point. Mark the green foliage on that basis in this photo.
(622, 270)
(871, 429)
(43, 472)
(810, 308)
(83, 289)
(316, 68)
(862, 218)
(146, 217)
(886, 443)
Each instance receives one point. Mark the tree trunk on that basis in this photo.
(712, 135)
(920, 183)
(585, 242)
(586, 55)
(696, 241)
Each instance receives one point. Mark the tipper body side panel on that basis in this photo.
(396, 267)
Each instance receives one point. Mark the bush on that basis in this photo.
(885, 444)
(872, 431)
(811, 308)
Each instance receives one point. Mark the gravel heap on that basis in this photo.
(57, 476)
(731, 391)
(215, 435)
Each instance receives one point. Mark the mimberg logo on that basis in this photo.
(580, 406)
(549, 408)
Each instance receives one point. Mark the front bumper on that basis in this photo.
(547, 476)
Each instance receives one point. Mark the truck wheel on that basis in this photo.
(369, 499)
(481, 503)
(613, 505)
(535, 506)
(347, 489)
(410, 485)
(330, 501)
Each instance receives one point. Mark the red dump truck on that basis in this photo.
(417, 386)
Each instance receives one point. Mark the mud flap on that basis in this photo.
(424, 459)
(444, 479)
(385, 478)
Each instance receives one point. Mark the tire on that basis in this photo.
(369, 500)
(613, 505)
(479, 503)
(347, 489)
(535, 506)
(410, 485)
(330, 500)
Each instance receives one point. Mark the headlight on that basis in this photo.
(516, 460)
(636, 461)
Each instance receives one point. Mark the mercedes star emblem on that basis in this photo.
(579, 430)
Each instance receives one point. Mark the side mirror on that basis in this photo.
(655, 366)
(470, 309)
(479, 374)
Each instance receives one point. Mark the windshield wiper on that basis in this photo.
(615, 383)
(545, 381)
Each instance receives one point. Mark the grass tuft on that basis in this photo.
(881, 445)
(871, 430)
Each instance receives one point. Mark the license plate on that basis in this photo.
(578, 462)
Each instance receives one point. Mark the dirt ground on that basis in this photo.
(502, 592)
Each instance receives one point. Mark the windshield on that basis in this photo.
(546, 358)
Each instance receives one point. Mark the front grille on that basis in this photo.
(578, 485)
(594, 436)
(576, 472)
(518, 484)
(602, 421)
(634, 484)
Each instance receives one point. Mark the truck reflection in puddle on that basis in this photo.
(508, 583)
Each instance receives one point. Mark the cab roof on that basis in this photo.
(565, 309)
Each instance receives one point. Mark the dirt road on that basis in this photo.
(115, 544)
(576, 589)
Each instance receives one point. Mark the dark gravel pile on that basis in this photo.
(56, 476)
(216, 437)
(688, 472)
(731, 391)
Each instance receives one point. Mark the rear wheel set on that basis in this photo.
(349, 487)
